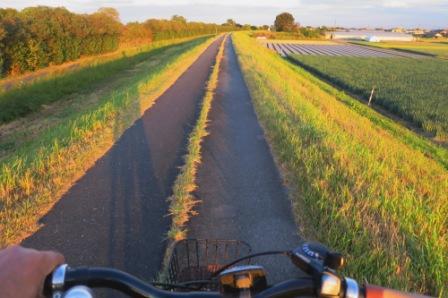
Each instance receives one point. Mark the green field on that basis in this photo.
(435, 48)
(413, 89)
(357, 182)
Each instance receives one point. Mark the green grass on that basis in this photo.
(354, 184)
(417, 142)
(182, 200)
(434, 48)
(37, 173)
(413, 89)
(30, 98)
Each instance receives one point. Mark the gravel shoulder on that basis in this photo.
(241, 191)
(116, 214)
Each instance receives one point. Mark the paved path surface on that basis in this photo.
(285, 49)
(239, 185)
(116, 214)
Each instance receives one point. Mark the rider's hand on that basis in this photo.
(23, 271)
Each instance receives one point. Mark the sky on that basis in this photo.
(430, 14)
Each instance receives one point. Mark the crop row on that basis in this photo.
(334, 50)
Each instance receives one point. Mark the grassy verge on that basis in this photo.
(403, 88)
(402, 85)
(182, 201)
(39, 172)
(355, 186)
(30, 98)
(51, 72)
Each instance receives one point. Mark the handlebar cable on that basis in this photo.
(172, 286)
(266, 253)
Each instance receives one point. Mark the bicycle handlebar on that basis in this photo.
(65, 278)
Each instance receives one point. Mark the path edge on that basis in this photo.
(183, 201)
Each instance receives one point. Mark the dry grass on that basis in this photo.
(357, 187)
(182, 201)
(34, 177)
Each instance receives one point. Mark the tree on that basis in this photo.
(39, 36)
(230, 22)
(134, 34)
(180, 19)
(111, 12)
(284, 22)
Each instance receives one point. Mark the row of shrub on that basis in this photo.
(37, 37)
(301, 33)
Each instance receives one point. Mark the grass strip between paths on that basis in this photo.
(355, 186)
(182, 201)
(33, 179)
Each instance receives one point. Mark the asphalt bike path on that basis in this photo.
(240, 188)
(116, 214)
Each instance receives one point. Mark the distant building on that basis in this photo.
(398, 30)
(416, 31)
(437, 33)
(371, 34)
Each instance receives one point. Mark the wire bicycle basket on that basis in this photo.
(193, 261)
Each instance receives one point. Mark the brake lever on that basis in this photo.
(54, 282)
(315, 258)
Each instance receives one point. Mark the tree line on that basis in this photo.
(36, 37)
(285, 22)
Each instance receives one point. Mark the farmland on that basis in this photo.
(413, 89)
(357, 184)
(435, 48)
(329, 49)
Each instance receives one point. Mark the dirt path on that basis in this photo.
(239, 185)
(116, 214)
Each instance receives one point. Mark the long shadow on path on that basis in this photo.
(238, 183)
(116, 215)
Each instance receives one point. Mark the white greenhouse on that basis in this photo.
(374, 36)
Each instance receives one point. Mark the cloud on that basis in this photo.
(386, 13)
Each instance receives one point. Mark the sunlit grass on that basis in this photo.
(183, 201)
(39, 172)
(355, 185)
